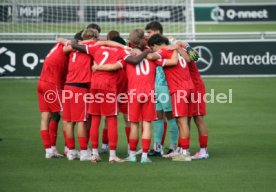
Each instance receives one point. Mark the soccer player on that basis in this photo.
(180, 85)
(75, 106)
(163, 108)
(49, 93)
(121, 89)
(197, 111)
(104, 83)
(141, 104)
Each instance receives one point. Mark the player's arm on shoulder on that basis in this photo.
(136, 60)
(153, 56)
(67, 49)
(78, 47)
(184, 54)
(107, 67)
(172, 61)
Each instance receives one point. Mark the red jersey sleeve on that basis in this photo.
(164, 53)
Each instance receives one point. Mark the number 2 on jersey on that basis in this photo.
(106, 54)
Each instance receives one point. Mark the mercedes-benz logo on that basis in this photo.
(206, 58)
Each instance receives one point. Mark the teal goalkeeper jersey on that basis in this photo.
(160, 79)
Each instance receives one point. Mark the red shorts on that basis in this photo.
(74, 107)
(180, 103)
(104, 103)
(144, 111)
(49, 97)
(123, 108)
(197, 105)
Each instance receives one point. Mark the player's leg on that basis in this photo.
(53, 129)
(173, 128)
(46, 108)
(184, 139)
(85, 155)
(70, 141)
(127, 129)
(112, 124)
(109, 108)
(203, 138)
(94, 137)
(146, 140)
(133, 141)
(95, 111)
(44, 133)
(180, 111)
(104, 147)
(157, 134)
(66, 149)
(158, 125)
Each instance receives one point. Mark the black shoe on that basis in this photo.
(154, 153)
(170, 151)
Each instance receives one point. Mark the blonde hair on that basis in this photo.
(89, 34)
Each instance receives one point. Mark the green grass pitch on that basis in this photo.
(242, 148)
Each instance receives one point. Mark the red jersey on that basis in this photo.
(195, 75)
(79, 69)
(178, 77)
(141, 77)
(55, 66)
(106, 80)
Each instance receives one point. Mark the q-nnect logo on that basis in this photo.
(206, 58)
(4, 52)
(217, 14)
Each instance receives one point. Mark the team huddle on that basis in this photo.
(152, 79)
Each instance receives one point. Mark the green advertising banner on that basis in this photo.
(235, 13)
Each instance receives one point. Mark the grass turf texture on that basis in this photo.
(242, 148)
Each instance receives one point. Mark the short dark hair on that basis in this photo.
(155, 26)
(136, 36)
(157, 39)
(119, 39)
(77, 36)
(94, 26)
(111, 34)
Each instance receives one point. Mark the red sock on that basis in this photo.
(105, 136)
(64, 136)
(70, 143)
(185, 143)
(112, 125)
(164, 133)
(127, 130)
(83, 141)
(179, 143)
(203, 141)
(133, 144)
(94, 131)
(53, 127)
(88, 133)
(146, 145)
(45, 136)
